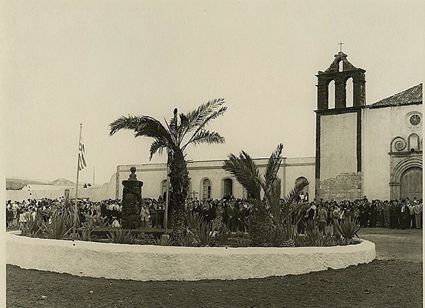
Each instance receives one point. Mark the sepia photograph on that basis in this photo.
(199, 153)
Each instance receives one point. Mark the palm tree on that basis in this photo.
(247, 174)
(182, 130)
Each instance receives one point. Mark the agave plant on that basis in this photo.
(121, 237)
(87, 228)
(348, 229)
(56, 228)
(33, 227)
(199, 232)
(182, 131)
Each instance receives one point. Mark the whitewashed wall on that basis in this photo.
(380, 127)
(338, 144)
(112, 261)
(153, 174)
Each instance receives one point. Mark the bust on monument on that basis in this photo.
(131, 201)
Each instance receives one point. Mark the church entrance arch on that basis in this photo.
(406, 176)
(411, 184)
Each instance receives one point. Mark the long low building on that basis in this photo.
(209, 180)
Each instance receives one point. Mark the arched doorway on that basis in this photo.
(206, 189)
(227, 188)
(304, 193)
(163, 189)
(411, 184)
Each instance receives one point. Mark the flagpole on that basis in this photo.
(76, 185)
(165, 237)
(167, 198)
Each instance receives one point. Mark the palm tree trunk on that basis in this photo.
(179, 178)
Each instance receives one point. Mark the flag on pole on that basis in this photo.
(81, 160)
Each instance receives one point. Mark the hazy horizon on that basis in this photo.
(72, 62)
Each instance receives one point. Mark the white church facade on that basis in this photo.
(373, 150)
(361, 149)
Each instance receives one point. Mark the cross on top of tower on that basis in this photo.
(340, 46)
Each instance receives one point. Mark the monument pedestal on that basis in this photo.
(131, 201)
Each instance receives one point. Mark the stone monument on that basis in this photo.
(131, 201)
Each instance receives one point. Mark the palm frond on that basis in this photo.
(156, 146)
(273, 166)
(246, 172)
(205, 136)
(274, 201)
(198, 116)
(129, 122)
(182, 128)
(204, 114)
(142, 126)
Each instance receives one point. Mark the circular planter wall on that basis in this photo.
(144, 263)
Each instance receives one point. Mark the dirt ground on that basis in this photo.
(394, 280)
(396, 244)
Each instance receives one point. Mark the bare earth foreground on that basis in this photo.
(394, 280)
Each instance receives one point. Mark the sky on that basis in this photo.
(72, 62)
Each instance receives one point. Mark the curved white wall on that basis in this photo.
(136, 262)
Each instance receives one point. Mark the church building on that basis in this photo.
(372, 150)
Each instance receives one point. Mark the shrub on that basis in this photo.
(222, 236)
(121, 236)
(198, 232)
(205, 234)
(260, 226)
(145, 239)
(89, 226)
(33, 227)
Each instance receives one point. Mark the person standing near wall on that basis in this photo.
(411, 206)
(387, 214)
(417, 209)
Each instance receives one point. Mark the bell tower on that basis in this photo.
(340, 71)
(338, 130)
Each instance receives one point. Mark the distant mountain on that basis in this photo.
(16, 184)
(62, 182)
(19, 183)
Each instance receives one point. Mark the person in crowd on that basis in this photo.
(144, 216)
(417, 210)
(311, 212)
(372, 214)
(363, 214)
(387, 213)
(232, 213)
(23, 218)
(115, 223)
(411, 206)
(404, 214)
(335, 219)
(323, 217)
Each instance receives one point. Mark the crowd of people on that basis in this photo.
(19, 213)
(402, 214)
(232, 212)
